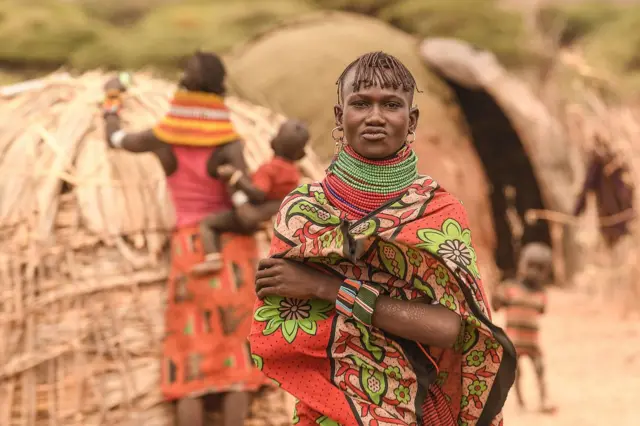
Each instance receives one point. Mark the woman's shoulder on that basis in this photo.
(428, 183)
(438, 198)
(309, 189)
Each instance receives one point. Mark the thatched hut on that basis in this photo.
(83, 264)
(474, 140)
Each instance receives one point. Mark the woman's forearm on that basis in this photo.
(432, 325)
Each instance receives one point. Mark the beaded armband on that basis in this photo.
(347, 297)
(357, 300)
(112, 103)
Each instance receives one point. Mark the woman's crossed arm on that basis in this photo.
(432, 325)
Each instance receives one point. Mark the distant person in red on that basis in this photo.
(273, 181)
(208, 318)
(525, 300)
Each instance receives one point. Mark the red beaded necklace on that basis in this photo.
(359, 186)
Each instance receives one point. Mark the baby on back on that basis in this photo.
(273, 181)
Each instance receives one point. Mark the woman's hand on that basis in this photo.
(285, 278)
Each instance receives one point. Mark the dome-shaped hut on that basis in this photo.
(294, 69)
(83, 262)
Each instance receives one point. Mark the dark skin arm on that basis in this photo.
(134, 142)
(251, 216)
(243, 184)
(144, 141)
(432, 325)
(138, 142)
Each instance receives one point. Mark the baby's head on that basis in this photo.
(291, 140)
(536, 264)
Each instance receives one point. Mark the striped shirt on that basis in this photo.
(523, 307)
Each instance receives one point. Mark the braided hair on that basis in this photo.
(378, 69)
(212, 73)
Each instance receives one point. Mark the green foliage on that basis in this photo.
(366, 7)
(169, 33)
(120, 12)
(616, 45)
(43, 32)
(480, 22)
(577, 20)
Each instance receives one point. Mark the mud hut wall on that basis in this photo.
(538, 130)
(544, 141)
(312, 53)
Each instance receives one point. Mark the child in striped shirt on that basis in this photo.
(524, 300)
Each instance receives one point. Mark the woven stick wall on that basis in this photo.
(83, 261)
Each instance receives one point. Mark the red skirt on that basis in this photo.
(208, 319)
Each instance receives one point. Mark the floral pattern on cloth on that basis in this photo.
(342, 372)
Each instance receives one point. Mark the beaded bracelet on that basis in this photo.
(365, 304)
(112, 103)
(111, 107)
(347, 297)
(357, 300)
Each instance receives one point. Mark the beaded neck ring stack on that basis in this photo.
(358, 186)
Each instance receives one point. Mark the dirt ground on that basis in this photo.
(593, 366)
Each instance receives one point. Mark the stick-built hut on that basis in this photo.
(480, 130)
(83, 256)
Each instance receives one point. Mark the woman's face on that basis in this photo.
(375, 121)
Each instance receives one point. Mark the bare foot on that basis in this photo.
(211, 265)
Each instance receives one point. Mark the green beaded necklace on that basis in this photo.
(389, 176)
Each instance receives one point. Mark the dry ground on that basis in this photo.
(593, 366)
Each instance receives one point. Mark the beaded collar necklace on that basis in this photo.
(359, 186)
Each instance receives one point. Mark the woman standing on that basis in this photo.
(208, 318)
(373, 312)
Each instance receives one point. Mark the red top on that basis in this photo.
(194, 193)
(277, 178)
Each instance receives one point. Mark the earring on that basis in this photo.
(338, 139)
(333, 134)
(413, 134)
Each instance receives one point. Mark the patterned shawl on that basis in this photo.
(196, 119)
(342, 372)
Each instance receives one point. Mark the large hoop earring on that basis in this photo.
(338, 139)
(411, 133)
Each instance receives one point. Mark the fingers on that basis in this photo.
(268, 272)
(266, 292)
(267, 287)
(269, 263)
(266, 282)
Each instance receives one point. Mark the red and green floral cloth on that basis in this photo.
(343, 372)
